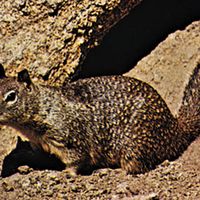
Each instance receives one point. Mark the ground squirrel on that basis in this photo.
(112, 121)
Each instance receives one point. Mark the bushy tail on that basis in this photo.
(189, 113)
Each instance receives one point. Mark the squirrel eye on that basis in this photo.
(10, 97)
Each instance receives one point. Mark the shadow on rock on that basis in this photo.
(24, 154)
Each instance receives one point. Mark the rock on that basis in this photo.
(51, 38)
(24, 169)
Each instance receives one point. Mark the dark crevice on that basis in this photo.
(137, 35)
(23, 154)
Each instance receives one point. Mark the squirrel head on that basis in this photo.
(13, 95)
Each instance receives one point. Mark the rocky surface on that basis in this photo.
(51, 37)
(167, 68)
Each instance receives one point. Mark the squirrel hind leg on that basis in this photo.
(131, 164)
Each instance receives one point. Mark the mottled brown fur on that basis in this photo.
(112, 121)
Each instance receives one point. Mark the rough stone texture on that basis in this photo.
(51, 37)
(169, 66)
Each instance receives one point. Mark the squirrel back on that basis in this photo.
(111, 121)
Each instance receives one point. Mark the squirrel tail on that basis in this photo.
(189, 113)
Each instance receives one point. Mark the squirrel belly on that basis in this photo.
(110, 121)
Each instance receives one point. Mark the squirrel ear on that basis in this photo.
(23, 76)
(2, 72)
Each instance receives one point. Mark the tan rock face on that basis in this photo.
(168, 67)
(51, 38)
